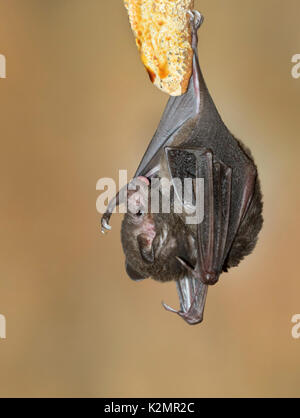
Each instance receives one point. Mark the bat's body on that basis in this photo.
(193, 142)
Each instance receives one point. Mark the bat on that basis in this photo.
(192, 142)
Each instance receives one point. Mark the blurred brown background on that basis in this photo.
(76, 106)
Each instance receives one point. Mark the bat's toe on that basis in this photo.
(196, 19)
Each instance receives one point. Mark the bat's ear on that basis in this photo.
(146, 248)
(134, 275)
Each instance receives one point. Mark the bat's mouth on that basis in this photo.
(192, 296)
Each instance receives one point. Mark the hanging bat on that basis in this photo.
(192, 142)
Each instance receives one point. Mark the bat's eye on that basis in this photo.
(139, 213)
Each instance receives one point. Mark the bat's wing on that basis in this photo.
(177, 112)
(224, 211)
(227, 195)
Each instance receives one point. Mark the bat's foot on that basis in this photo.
(196, 19)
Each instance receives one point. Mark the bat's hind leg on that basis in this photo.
(196, 19)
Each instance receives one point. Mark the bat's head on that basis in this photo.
(138, 231)
(151, 242)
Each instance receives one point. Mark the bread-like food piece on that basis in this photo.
(163, 37)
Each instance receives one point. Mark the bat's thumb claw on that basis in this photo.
(105, 226)
(168, 308)
(185, 265)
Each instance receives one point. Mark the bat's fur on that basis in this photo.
(246, 238)
(175, 239)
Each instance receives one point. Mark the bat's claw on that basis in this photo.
(186, 316)
(104, 225)
(185, 265)
(196, 19)
(169, 309)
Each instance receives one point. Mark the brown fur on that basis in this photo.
(181, 239)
